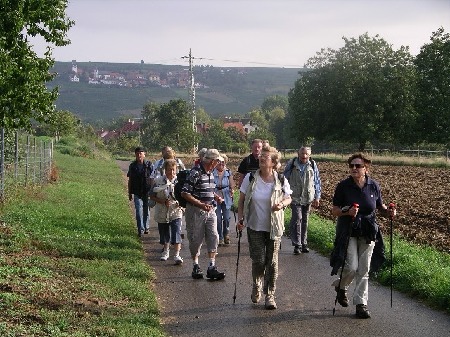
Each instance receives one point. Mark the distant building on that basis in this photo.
(244, 125)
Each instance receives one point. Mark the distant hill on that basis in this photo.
(221, 91)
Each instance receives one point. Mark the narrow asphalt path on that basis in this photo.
(304, 296)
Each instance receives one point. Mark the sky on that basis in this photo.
(240, 33)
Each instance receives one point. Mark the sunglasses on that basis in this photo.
(358, 166)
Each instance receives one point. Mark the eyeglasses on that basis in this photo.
(358, 166)
(221, 162)
(267, 156)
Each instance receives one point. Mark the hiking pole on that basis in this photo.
(345, 258)
(239, 235)
(391, 206)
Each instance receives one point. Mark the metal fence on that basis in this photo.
(24, 160)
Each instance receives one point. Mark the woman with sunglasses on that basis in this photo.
(358, 246)
(263, 197)
(224, 188)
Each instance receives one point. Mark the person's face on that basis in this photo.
(265, 160)
(304, 155)
(256, 149)
(220, 166)
(170, 172)
(357, 168)
(165, 150)
(140, 156)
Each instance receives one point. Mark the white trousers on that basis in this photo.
(357, 266)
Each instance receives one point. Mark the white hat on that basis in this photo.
(212, 154)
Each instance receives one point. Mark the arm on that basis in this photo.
(240, 224)
(317, 187)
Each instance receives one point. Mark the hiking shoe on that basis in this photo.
(146, 231)
(197, 273)
(256, 295)
(305, 249)
(178, 259)
(165, 255)
(227, 239)
(342, 296)
(270, 302)
(213, 274)
(362, 311)
(296, 250)
(221, 243)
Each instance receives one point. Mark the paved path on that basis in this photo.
(304, 297)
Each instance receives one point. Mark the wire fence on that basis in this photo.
(24, 160)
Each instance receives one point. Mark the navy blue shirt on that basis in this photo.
(248, 164)
(348, 192)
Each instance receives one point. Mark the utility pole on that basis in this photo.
(192, 94)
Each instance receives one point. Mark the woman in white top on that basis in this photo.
(263, 197)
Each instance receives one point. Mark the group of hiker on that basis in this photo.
(205, 197)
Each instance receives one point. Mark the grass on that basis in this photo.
(70, 261)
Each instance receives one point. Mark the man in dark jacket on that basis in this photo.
(138, 187)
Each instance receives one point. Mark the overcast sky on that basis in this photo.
(270, 33)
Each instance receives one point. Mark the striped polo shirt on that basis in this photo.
(200, 185)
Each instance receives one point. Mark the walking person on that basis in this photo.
(158, 167)
(251, 162)
(304, 179)
(167, 212)
(263, 197)
(201, 219)
(139, 184)
(358, 239)
(224, 181)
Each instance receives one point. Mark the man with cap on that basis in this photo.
(201, 219)
(138, 175)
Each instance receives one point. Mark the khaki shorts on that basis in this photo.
(201, 225)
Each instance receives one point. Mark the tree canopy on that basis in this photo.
(23, 75)
(362, 92)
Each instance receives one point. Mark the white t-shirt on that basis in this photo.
(260, 206)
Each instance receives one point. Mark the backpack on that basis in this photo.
(280, 178)
(181, 178)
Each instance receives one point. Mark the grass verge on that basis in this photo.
(70, 261)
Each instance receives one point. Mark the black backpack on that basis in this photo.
(181, 178)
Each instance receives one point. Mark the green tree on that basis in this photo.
(433, 96)
(61, 123)
(23, 75)
(168, 124)
(362, 92)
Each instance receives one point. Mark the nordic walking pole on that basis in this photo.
(239, 235)
(391, 206)
(345, 258)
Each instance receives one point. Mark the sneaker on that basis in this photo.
(165, 255)
(221, 243)
(256, 295)
(178, 259)
(270, 302)
(197, 273)
(305, 249)
(342, 296)
(146, 231)
(213, 274)
(296, 250)
(362, 311)
(227, 239)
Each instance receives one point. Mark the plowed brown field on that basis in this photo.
(421, 195)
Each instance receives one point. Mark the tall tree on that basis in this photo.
(362, 92)
(433, 98)
(168, 124)
(23, 75)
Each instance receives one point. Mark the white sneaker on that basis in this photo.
(178, 259)
(165, 255)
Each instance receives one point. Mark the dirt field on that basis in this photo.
(422, 196)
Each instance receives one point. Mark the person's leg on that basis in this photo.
(365, 251)
(139, 214)
(145, 215)
(175, 237)
(164, 239)
(212, 241)
(304, 227)
(226, 224)
(257, 249)
(195, 220)
(294, 227)
(271, 271)
(219, 223)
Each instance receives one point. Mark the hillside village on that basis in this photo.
(132, 79)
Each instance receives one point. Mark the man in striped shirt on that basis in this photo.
(201, 220)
